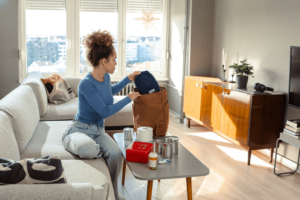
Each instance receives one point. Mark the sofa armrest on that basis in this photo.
(47, 191)
(34, 81)
(74, 83)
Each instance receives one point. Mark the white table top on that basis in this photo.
(182, 165)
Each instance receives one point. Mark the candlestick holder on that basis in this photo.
(232, 78)
(223, 79)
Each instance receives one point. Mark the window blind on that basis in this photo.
(46, 4)
(135, 6)
(99, 5)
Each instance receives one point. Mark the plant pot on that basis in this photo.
(241, 82)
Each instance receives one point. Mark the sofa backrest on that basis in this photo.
(37, 86)
(74, 83)
(8, 143)
(21, 106)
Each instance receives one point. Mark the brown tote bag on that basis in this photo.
(152, 110)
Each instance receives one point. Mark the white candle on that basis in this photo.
(223, 56)
(225, 60)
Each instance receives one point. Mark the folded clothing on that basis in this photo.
(146, 83)
(58, 89)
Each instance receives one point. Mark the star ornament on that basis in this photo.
(148, 20)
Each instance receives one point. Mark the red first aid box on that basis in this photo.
(138, 152)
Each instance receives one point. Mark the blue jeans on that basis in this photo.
(90, 141)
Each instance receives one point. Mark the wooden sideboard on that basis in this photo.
(252, 121)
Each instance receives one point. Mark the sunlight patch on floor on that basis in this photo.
(212, 183)
(209, 136)
(242, 156)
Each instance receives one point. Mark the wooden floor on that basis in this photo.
(230, 177)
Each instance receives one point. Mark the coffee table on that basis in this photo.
(183, 165)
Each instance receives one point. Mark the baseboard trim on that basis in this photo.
(280, 159)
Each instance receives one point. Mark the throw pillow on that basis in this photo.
(58, 89)
(44, 170)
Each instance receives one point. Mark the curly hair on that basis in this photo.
(99, 44)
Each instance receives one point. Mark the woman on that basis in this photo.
(86, 136)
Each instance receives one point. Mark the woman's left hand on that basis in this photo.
(133, 75)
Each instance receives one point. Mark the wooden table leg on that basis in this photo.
(189, 187)
(271, 156)
(189, 122)
(158, 180)
(124, 171)
(249, 157)
(149, 189)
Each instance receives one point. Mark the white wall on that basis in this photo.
(9, 63)
(262, 32)
(201, 37)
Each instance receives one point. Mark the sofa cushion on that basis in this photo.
(65, 111)
(122, 118)
(68, 110)
(88, 171)
(8, 143)
(74, 83)
(34, 81)
(22, 107)
(47, 140)
(44, 170)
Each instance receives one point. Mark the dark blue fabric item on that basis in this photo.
(146, 83)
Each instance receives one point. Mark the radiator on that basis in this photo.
(126, 90)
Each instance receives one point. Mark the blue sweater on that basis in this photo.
(95, 99)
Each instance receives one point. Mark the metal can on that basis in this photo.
(128, 134)
(167, 150)
(174, 140)
(158, 145)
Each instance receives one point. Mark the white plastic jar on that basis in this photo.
(152, 160)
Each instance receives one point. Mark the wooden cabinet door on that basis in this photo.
(236, 115)
(211, 105)
(192, 100)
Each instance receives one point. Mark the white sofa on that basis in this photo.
(23, 135)
(68, 110)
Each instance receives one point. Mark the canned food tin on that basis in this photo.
(167, 150)
(128, 134)
(158, 144)
(174, 140)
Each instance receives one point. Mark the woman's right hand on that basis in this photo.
(133, 95)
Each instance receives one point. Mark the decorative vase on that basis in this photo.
(241, 82)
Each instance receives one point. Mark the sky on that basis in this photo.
(53, 22)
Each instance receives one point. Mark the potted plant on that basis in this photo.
(242, 72)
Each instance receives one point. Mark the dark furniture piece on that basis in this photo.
(252, 121)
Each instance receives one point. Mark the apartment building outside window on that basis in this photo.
(51, 34)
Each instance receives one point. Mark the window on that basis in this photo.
(95, 15)
(51, 34)
(48, 28)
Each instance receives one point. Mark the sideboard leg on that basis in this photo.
(249, 156)
(189, 122)
(271, 156)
